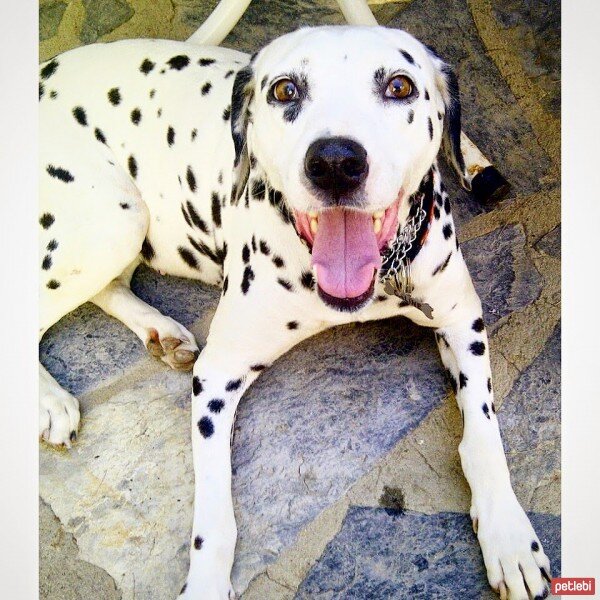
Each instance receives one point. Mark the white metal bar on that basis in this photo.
(357, 12)
(220, 22)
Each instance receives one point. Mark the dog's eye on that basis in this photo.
(284, 90)
(399, 87)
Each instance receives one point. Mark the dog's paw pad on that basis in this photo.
(180, 353)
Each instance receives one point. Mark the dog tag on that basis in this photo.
(394, 290)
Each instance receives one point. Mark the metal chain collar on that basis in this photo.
(394, 263)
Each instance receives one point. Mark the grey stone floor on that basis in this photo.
(347, 482)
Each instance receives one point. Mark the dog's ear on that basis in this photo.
(447, 84)
(241, 97)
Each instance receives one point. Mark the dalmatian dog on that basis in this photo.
(303, 182)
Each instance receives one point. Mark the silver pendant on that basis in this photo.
(400, 285)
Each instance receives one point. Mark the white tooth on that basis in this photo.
(379, 214)
(377, 225)
(314, 225)
(313, 214)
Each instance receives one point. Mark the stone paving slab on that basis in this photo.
(380, 553)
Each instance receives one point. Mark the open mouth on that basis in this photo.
(346, 251)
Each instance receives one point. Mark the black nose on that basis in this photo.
(336, 164)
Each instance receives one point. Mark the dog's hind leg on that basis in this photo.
(93, 222)
(163, 336)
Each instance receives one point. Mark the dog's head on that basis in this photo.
(345, 122)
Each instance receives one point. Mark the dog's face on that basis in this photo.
(345, 122)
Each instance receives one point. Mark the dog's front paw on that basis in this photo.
(517, 567)
(173, 344)
(207, 588)
(59, 416)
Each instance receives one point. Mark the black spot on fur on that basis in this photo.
(53, 94)
(263, 82)
(441, 267)
(132, 166)
(60, 173)
(453, 382)
(124, 205)
(535, 547)
(196, 385)
(264, 247)
(191, 179)
(52, 245)
(462, 380)
(225, 284)
(284, 283)
(46, 220)
(152, 92)
(49, 69)
(408, 57)
(258, 189)
(477, 348)
(430, 127)
(227, 113)
(489, 385)
(147, 66)
(278, 261)
(186, 216)
(218, 257)
(426, 95)
(205, 62)
(136, 116)
(183, 588)
(179, 62)
(206, 88)
(216, 209)
(53, 284)
(99, 135)
(233, 385)
(114, 96)
(436, 213)
(198, 541)
(493, 408)
(194, 134)
(188, 257)
(147, 250)
(258, 368)
(411, 116)
(196, 219)
(47, 262)
(307, 280)
(41, 88)
(486, 410)
(478, 325)
(170, 136)
(246, 279)
(292, 325)
(216, 405)
(447, 231)
(447, 205)
(246, 254)
(229, 74)
(80, 116)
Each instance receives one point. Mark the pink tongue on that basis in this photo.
(345, 252)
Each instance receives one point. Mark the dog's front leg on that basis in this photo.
(239, 347)
(516, 564)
